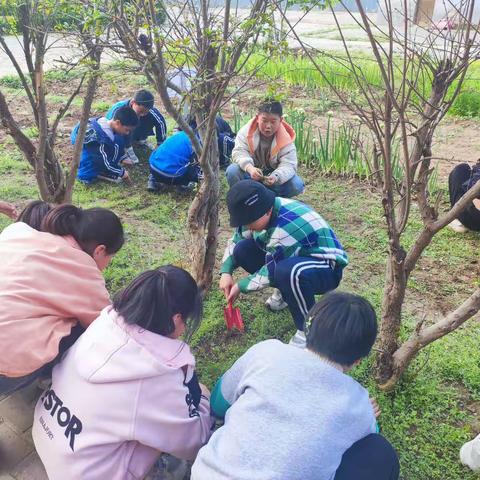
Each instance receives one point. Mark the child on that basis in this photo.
(225, 138)
(291, 414)
(461, 179)
(127, 390)
(149, 119)
(34, 213)
(281, 243)
(51, 287)
(265, 151)
(174, 162)
(104, 147)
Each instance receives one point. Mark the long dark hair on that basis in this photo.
(34, 213)
(155, 296)
(90, 228)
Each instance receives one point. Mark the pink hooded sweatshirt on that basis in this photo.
(117, 400)
(47, 285)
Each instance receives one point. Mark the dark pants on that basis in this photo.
(190, 175)
(371, 458)
(457, 180)
(12, 384)
(299, 279)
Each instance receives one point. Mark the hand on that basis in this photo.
(126, 161)
(205, 390)
(376, 408)
(234, 293)
(226, 283)
(126, 178)
(254, 172)
(270, 180)
(8, 209)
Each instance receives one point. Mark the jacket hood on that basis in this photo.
(113, 351)
(285, 136)
(93, 133)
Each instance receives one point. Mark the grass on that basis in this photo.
(298, 70)
(434, 409)
(430, 414)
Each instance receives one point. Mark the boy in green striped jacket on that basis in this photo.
(281, 243)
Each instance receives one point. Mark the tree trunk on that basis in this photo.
(394, 294)
(203, 219)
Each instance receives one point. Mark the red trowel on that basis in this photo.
(233, 317)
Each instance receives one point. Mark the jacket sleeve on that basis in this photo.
(287, 164)
(233, 382)
(86, 295)
(228, 261)
(241, 151)
(170, 422)
(160, 126)
(96, 151)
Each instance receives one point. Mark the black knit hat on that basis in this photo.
(247, 201)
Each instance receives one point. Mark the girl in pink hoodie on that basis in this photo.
(127, 390)
(51, 287)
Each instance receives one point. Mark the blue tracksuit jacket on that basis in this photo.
(100, 155)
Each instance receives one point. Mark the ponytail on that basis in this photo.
(89, 228)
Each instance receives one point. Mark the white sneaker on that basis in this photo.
(299, 340)
(275, 302)
(145, 144)
(131, 155)
(457, 226)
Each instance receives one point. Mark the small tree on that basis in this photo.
(33, 22)
(422, 72)
(215, 46)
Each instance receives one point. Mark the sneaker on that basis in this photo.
(152, 185)
(145, 144)
(186, 188)
(116, 180)
(457, 226)
(275, 302)
(131, 155)
(299, 340)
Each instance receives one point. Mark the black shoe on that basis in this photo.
(152, 185)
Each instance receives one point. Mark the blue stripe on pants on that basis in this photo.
(299, 279)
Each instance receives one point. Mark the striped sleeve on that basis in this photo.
(228, 261)
(160, 125)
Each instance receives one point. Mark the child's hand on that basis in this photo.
(255, 173)
(205, 390)
(270, 180)
(126, 178)
(226, 283)
(8, 209)
(376, 408)
(234, 293)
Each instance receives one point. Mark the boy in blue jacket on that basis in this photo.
(104, 147)
(149, 119)
(174, 162)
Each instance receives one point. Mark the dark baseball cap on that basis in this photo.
(247, 201)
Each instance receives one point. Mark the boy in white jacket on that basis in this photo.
(127, 390)
(265, 151)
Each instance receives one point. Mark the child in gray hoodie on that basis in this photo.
(292, 414)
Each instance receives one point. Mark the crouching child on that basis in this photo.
(127, 390)
(293, 414)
